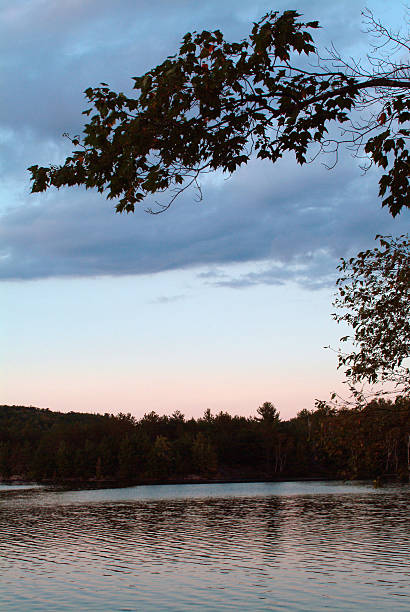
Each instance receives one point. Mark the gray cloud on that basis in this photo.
(312, 271)
(52, 51)
(303, 220)
(298, 222)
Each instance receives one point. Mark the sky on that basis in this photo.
(221, 304)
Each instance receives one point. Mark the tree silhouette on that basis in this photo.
(374, 300)
(214, 104)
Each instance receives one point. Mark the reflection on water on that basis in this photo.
(288, 546)
(4, 488)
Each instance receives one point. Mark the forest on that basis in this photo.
(350, 443)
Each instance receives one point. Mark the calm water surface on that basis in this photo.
(260, 546)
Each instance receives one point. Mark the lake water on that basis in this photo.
(261, 546)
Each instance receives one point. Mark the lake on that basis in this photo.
(250, 546)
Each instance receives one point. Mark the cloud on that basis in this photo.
(292, 223)
(166, 299)
(312, 271)
(301, 220)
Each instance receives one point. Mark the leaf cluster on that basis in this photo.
(374, 300)
(214, 104)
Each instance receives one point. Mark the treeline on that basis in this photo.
(370, 442)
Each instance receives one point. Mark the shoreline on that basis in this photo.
(117, 484)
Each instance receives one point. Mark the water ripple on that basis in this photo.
(260, 547)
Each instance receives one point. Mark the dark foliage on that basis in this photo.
(215, 104)
(42, 445)
(374, 300)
